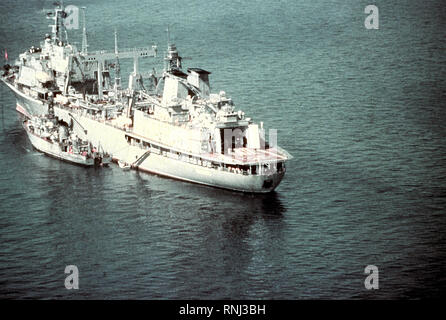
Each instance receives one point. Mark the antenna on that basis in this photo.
(116, 42)
(117, 67)
(84, 33)
(172, 59)
(168, 33)
(168, 36)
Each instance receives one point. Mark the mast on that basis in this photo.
(84, 32)
(172, 58)
(100, 79)
(117, 67)
(58, 28)
(168, 36)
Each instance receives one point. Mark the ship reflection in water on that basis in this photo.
(161, 238)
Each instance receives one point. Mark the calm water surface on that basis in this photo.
(362, 112)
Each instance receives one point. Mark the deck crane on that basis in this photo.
(100, 57)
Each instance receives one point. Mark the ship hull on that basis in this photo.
(117, 145)
(222, 179)
(53, 150)
(27, 105)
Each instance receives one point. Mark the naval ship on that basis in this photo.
(169, 124)
(56, 140)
